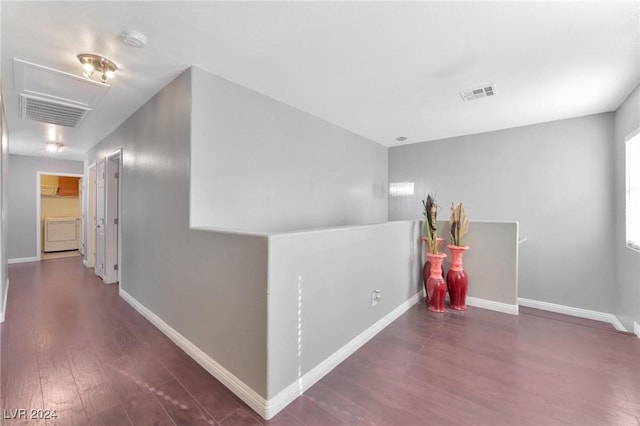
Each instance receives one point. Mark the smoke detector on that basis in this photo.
(134, 38)
(481, 92)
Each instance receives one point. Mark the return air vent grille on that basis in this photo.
(52, 112)
(482, 92)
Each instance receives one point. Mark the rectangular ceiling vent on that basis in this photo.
(482, 92)
(52, 112)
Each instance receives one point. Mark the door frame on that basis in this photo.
(90, 229)
(111, 247)
(38, 212)
(83, 214)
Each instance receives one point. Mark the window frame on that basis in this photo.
(632, 139)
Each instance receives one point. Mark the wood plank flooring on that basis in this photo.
(71, 344)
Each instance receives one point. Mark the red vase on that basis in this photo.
(457, 281)
(436, 285)
(426, 270)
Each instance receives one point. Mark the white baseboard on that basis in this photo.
(491, 305)
(295, 389)
(269, 408)
(636, 329)
(4, 303)
(235, 385)
(22, 260)
(576, 312)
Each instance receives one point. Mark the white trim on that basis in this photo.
(632, 139)
(23, 259)
(632, 134)
(492, 305)
(235, 385)
(615, 322)
(636, 329)
(295, 389)
(85, 263)
(269, 408)
(575, 312)
(4, 303)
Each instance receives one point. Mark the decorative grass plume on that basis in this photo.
(430, 224)
(458, 225)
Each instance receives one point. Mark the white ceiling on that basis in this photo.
(379, 69)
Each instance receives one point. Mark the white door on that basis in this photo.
(100, 219)
(91, 217)
(112, 172)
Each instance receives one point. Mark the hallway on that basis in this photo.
(71, 344)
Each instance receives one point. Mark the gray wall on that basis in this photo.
(260, 165)
(23, 199)
(491, 263)
(555, 179)
(210, 287)
(332, 272)
(338, 269)
(627, 295)
(4, 177)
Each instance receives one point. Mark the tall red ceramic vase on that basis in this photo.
(426, 270)
(457, 281)
(436, 285)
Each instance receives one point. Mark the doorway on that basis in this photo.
(103, 223)
(100, 220)
(90, 218)
(112, 216)
(58, 215)
(108, 207)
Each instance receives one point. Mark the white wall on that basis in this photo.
(627, 295)
(260, 165)
(555, 179)
(23, 194)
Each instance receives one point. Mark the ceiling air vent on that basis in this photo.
(482, 92)
(52, 112)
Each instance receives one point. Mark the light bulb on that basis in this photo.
(52, 147)
(110, 73)
(88, 67)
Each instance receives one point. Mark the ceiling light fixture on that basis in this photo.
(401, 138)
(92, 63)
(54, 146)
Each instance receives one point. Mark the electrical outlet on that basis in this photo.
(376, 296)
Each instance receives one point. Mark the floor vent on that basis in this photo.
(52, 112)
(482, 92)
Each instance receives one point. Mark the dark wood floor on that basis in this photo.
(70, 344)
